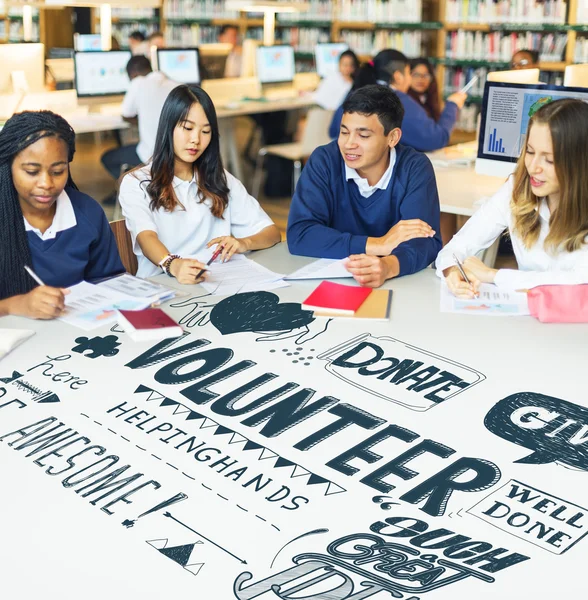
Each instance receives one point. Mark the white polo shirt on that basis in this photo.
(145, 99)
(365, 189)
(189, 227)
(536, 265)
(64, 218)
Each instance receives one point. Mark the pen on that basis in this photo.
(463, 273)
(33, 275)
(469, 84)
(212, 259)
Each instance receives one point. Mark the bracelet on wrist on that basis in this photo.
(166, 264)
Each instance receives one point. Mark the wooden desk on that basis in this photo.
(215, 493)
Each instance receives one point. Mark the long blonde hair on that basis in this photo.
(568, 225)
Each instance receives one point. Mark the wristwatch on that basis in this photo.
(166, 262)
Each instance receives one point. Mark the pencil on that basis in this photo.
(463, 273)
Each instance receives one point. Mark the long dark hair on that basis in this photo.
(431, 104)
(212, 180)
(21, 131)
(380, 69)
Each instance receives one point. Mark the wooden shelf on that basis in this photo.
(553, 66)
(467, 26)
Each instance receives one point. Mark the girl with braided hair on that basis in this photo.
(45, 221)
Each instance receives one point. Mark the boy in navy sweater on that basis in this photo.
(366, 197)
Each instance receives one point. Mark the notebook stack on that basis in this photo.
(337, 300)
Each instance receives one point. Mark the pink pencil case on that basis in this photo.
(559, 303)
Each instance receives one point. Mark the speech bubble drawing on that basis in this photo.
(556, 430)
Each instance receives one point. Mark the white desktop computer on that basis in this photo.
(506, 110)
(179, 64)
(326, 57)
(26, 60)
(101, 73)
(88, 42)
(275, 64)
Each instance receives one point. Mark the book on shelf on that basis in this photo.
(336, 298)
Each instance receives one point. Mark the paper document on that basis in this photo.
(492, 301)
(139, 288)
(324, 268)
(89, 306)
(238, 275)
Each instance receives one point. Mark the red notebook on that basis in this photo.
(148, 324)
(336, 298)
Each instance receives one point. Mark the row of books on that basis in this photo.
(132, 13)
(381, 11)
(16, 31)
(368, 42)
(197, 9)
(303, 39)
(506, 11)
(457, 77)
(318, 10)
(190, 35)
(467, 119)
(581, 50)
(500, 46)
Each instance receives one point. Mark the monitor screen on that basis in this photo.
(91, 42)
(506, 110)
(101, 73)
(179, 64)
(275, 64)
(327, 58)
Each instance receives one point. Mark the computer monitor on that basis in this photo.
(275, 64)
(506, 110)
(214, 59)
(515, 76)
(88, 42)
(28, 58)
(179, 64)
(327, 58)
(101, 73)
(576, 75)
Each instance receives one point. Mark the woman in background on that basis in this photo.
(334, 88)
(423, 87)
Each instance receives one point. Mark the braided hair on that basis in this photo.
(21, 131)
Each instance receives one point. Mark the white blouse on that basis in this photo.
(536, 265)
(188, 228)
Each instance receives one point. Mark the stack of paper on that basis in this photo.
(324, 268)
(139, 288)
(238, 275)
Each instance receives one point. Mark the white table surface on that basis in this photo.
(57, 542)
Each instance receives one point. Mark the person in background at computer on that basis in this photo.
(543, 206)
(138, 44)
(525, 59)
(423, 87)
(367, 197)
(46, 223)
(419, 131)
(334, 88)
(156, 39)
(143, 102)
(229, 34)
(184, 201)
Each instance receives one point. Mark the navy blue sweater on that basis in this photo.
(419, 131)
(85, 252)
(329, 218)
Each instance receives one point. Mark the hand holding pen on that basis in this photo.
(459, 283)
(211, 260)
(42, 302)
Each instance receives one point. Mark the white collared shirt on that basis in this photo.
(365, 189)
(145, 99)
(536, 265)
(189, 227)
(64, 218)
